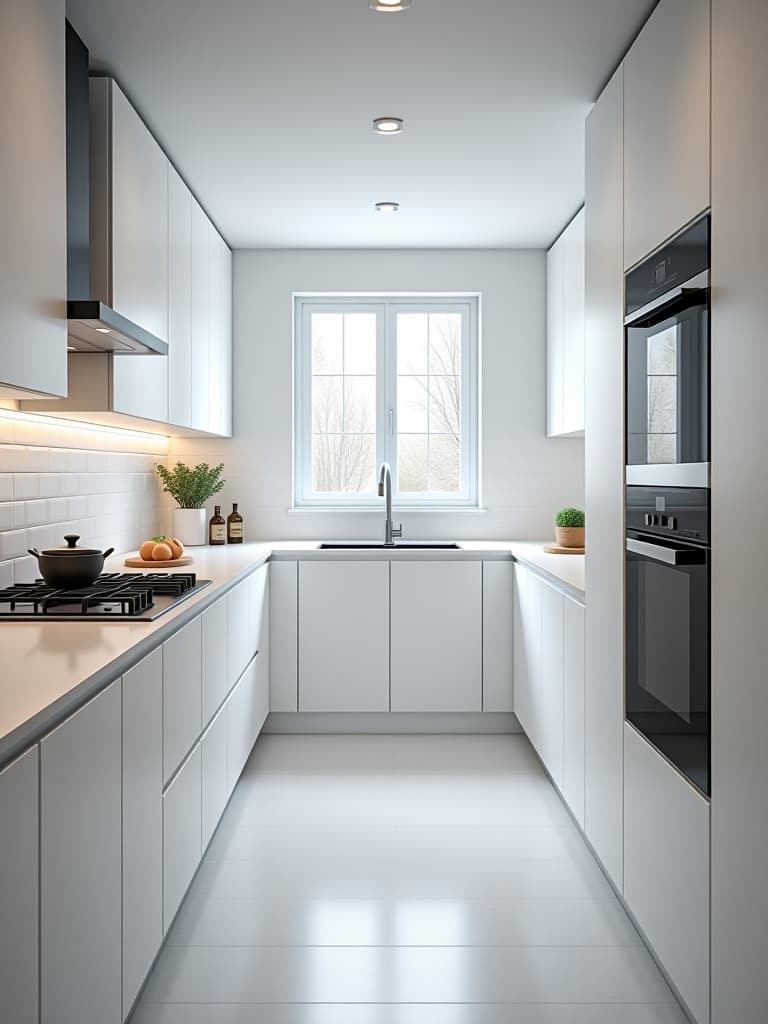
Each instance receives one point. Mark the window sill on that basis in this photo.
(376, 511)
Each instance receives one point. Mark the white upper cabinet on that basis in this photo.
(33, 243)
(565, 332)
(666, 126)
(179, 301)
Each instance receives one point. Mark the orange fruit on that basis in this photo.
(161, 553)
(146, 549)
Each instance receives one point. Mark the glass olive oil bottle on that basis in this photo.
(234, 526)
(217, 527)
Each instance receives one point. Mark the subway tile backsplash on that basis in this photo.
(55, 481)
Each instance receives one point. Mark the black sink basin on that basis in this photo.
(412, 545)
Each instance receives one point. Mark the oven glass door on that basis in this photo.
(668, 395)
(667, 651)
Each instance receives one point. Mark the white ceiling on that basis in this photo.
(266, 110)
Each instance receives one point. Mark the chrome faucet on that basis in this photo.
(385, 490)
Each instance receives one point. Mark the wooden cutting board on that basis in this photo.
(139, 563)
(555, 549)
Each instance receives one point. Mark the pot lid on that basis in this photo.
(71, 548)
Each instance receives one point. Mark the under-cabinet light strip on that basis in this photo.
(81, 426)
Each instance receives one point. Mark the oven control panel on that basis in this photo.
(681, 512)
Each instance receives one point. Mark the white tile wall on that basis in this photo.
(57, 480)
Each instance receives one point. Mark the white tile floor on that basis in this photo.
(401, 880)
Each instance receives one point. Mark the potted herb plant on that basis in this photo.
(191, 489)
(569, 528)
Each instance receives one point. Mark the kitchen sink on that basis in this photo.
(412, 545)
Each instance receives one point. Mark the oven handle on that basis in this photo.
(695, 286)
(668, 555)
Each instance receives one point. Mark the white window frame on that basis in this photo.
(387, 306)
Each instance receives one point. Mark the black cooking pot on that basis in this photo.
(70, 567)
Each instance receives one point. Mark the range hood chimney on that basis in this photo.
(93, 325)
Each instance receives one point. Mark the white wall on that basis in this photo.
(526, 478)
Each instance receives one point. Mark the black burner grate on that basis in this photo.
(113, 595)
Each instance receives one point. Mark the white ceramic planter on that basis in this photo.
(190, 526)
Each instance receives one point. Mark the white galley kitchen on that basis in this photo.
(382, 598)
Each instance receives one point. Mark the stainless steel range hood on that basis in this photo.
(94, 326)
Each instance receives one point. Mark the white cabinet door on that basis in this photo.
(498, 615)
(573, 707)
(549, 718)
(241, 644)
(604, 479)
(555, 339)
(182, 831)
(220, 334)
(436, 645)
(573, 327)
(80, 866)
(139, 185)
(19, 889)
(215, 673)
(201, 231)
(182, 694)
(666, 126)
(527, 638)
(247, 710)
(283, 636)
(33, 236)
(343, 636)
(179, 301)
(142, 822)
(258, 622)
(225, 418)
(666, 867)
(213, 748)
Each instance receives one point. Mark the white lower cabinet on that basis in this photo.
(549, 680)
(80, 862)
(549, 719)
(247, 710)
(666, 867)
(284, 636)
(498, 613)
(573, 707)
(19, 889)
(182, 694)
(142, 822)
(343, 636)
(182, 834)
(437, 636)
(215, 673)
(243, 626)
(215, 792)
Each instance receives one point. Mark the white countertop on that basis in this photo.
(47, 669)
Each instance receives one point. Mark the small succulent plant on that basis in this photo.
(569, 517)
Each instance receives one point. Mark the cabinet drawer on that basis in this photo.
(182, 695)
(215, 670)
(247, 710)
(215, 793)
(182, 843)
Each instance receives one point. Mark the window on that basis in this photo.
(386, 379)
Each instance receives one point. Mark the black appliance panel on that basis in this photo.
(669, 512)
(680, 260)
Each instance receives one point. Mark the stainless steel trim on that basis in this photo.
(668, 555)
(670, 474)
(697, 283)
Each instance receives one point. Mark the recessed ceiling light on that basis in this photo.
(103, 330)
(387, 125)
(387, 207)
(389, 5)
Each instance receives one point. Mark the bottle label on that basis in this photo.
(218, 532)
(236, 529)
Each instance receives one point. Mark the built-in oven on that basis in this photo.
(667, 645)
(667, 364)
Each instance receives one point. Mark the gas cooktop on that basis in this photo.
(128, 597)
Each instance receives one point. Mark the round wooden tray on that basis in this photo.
(555, 549)
(139, 563)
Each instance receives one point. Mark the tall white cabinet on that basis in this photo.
(565, 332)
(667, 125)
(604, 479)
